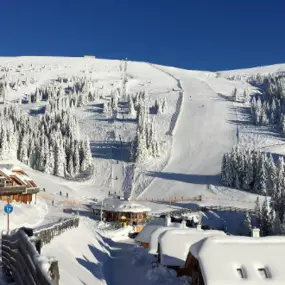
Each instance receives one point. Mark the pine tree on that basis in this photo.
(234, 95)
(261, 177)
(265, 225)
(271, 176)
(164, 105)
(248, 171)
(247, 224)
(257, 210)
(76, 159)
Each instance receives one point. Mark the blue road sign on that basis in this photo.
(8, 208)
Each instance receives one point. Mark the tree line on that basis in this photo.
(50, 144)
(258, 173)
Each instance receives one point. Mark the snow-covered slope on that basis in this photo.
(243, 74)
(203, 133)
(198, 126)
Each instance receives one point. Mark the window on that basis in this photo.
(264, 273)
(241, 273)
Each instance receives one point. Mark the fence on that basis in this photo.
(228, 209)
(22, 261)
(47, 232)
(171, 199)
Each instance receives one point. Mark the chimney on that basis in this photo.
(167, 221)
(199, 227)
(255, 232)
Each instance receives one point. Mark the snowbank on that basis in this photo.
(24, 215)
(81, 253)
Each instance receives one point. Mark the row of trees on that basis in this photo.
(79, 93)
(145, 144)
(50, 144)
(268, 218)
(254, 171)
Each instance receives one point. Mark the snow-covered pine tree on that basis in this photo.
(86, 160)
(76, 158)
(247, 224)
(265, 225)
(261, 176)
(257, 210)
(271, 176)
(248, 171)
(164, 105)
(59, 158)
(234, 95)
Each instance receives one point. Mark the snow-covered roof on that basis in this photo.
(6, 171)
(145, 234)
(117, 205)
(175, 244)
(241, 260)
(153, 245)
(22, 177)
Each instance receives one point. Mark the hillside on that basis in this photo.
(198, 124)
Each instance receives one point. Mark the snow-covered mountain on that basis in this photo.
(188, 115)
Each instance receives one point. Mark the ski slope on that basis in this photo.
(203, 133)
(192, 144)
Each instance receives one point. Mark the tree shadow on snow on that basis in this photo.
(111, 150)
(187, 178)
(95, 268)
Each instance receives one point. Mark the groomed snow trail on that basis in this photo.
(203, 133)
(119, 268)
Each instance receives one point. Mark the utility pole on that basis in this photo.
(101, 212)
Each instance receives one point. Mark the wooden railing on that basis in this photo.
(23, 263)
(228, 209)
(47, 232)
(171, 199)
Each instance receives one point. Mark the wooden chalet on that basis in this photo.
(235, 260)
(16, 185)
(117, 210)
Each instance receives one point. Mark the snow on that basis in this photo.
(23, 214)
(81, 253)
(196, 154)
(146, 233)
(190, 160)
(153, 245)
(243, 74)
(198, 126)
(117, 205)
(175, 244)
(220, 257)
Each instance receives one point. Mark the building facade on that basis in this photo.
(16, 185)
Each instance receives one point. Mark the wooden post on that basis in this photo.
(8, 223)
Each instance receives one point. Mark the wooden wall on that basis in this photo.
(27, 198)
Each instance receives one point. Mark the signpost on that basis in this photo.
(8, 209)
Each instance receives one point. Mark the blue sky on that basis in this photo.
(192, 34)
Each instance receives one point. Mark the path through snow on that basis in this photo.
(119, 268)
